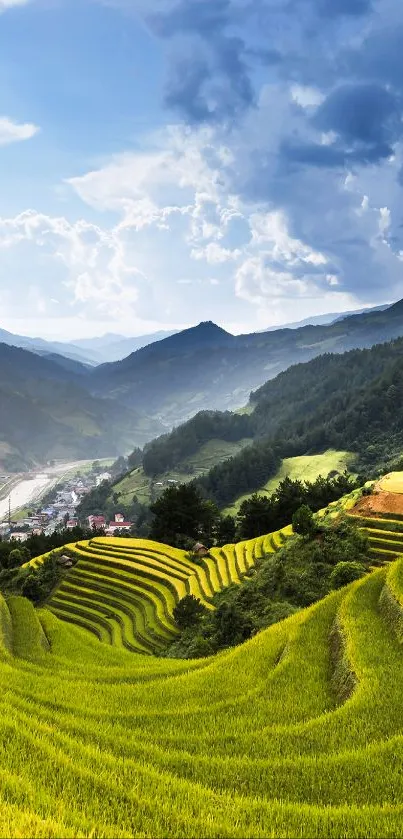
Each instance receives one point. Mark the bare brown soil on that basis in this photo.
(378, 503)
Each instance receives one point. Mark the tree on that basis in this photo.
(182, 516)
(188, 611)
(303, 522)
(232, 626)
(32, 588)
(134, 459)
(226, 530)
(256, 517)
(346, 572)
(15, 558)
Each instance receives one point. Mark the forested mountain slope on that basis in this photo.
(46, 412)
(352, 402)
(207, 368)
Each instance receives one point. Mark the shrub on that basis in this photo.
(346, 572)
(303, 521)
(188, 611)
(15, 558)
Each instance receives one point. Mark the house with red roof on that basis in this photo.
(119, 523)
(96, 522)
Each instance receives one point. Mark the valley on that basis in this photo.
(125, 656)
(305, 700)
(27, 489)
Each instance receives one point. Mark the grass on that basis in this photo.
(96, 741)
(125, 590)
(296, 733)
(304, 468)
(209, 455)
(393, 482)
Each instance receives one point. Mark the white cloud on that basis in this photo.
(384, 221)
(214, 254)
(13, 132)
(89, 266)
(306, 97)
(257, 282)
(272, 229)
(146, 187)
(177, 215)
(10, 4)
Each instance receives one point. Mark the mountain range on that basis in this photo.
(87, 351)
(115, 347)
(46, 413)
(206, 367)
(54, 405)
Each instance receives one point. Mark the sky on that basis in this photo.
(165, 162)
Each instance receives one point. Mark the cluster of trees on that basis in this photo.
(263, 514)
(243, 473)
(348, 401)
(167, 451)
(182, 517)
(37, 584)
(12, 555)
(305, 570)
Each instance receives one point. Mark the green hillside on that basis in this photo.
(47, 412)
(351, 402)
(206, 367)
(303, 468)
(295, 733)
(208, 455)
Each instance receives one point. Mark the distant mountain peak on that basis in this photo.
(206, 333)
(396, 308)
(208, 326)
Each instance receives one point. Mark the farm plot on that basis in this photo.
(124, 591)
(297, 732)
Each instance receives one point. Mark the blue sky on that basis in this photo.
(164, 162)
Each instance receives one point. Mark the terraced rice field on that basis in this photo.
(298, 732)
(379, 517)
(124, 591)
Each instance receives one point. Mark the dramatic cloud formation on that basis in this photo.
(269, 187)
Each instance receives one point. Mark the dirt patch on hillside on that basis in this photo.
(378, 503)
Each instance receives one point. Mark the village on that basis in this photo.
(58, 511)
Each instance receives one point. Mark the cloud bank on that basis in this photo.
(273, 190)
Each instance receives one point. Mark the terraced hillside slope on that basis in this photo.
(296, 733)
(380, 515)
(124, 591)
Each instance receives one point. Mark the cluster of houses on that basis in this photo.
(118, 524)
(61, 512)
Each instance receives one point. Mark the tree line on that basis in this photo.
(182, 516)
(304, 571)
(167, 451)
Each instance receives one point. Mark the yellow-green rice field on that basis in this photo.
(296, 733)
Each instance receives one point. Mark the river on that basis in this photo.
(31, 487)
